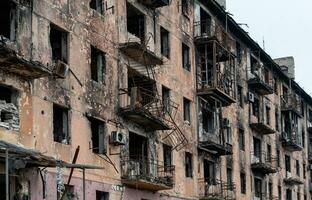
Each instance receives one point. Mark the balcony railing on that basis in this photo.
(291, 179)
(216, 189)
(264, 196)
(207, 30)
(291, 141)
(146, 174)
(262, 123)
(291, 102)
(260, 85)
(263, 162)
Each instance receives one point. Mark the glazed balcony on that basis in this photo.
(216, 143)
(146, 174)
(144, 108)
(292, 180)
(154, 3)
(12, 62)
(213, 189)
(292, 103)
(291, 141)
(264, 163)
(260, 85)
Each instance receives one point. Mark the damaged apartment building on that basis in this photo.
(146, 100)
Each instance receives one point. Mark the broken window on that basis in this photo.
(243, 182)
(187, 110)
(188, 164)
(208, 120)
(228, 131)
(164, 42)
(98, 65)
(287, 163)
(255, 107)
(167, 156)
(70, 193)
(257, 147)
(8, 19)
(254, 64)
(59, 43)
(166, 99)
(288, 194)
(258, 187)
(229, 175)
(98, 136)
(135, 22)
(241, 139)
(186, 57)
(97, 5)
(267, 76)
(185, 7)
(100, 195)
(138, 146)
(240, 97)
(209, 172)
(60, 124)
(9, 113)
(297, 168)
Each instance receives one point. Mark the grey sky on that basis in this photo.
(286, 27)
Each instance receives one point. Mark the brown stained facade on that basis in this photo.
(145, 99)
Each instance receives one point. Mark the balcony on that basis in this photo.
(142, 107)
(261, 86)
(261, 123)
(292, 180)
(291, 102)
(264, 196)
(264, 163)
(12, 62)
(146, 174)
(215, 143)
(154, 3)
(291, 142)
(213, 189)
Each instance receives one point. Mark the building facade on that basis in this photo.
(146, 100)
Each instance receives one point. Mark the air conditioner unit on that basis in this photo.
(226, 122)
(251, 97)
(61, 69)
(118, 138)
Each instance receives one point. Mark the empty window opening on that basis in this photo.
(187, 110)
(185, 7)
(267, 77)
(98, 65)
(97, 5)
(269, 153)
(164, 42)
(287, 163)
(275, 85)
(279, 192)
(258, 187)
(8, 19)
(9, 113)
(59, 43)
(268, 115)
(304, 170)
(229, 176)
(186, 57)
(98, 136)
(239, 52)
(209, 172)
(297, 168)
(135, 22)
(188, 164)
(228, 138)
(288, 194)
(166, 99)
(205, 23)
(257, 147)
(243, 183)
(241, 138)
(254, 64)
(276, 119)
(138, 146)
(167, 157)
(270, 190)
(255, 107)
(240, 96)
(208, 120)
(100, 195)
(278, 154)
(60, 124)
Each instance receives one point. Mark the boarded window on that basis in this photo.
(188, 164)
(60, 124)
(98, 65)
(8, 19)
(164, 45)
(186, 57)
(97, 5)
(102, 195)
(59, 44)
(187, 109)
(98, 136)
(243, 183)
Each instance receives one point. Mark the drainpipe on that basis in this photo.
(6, 174)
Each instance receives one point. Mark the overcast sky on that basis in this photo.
(286, 27)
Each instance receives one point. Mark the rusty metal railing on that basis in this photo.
(264, 158)
(216, 189)
(291, 102)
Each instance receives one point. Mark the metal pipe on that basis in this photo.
(84, 183)
(6, 174)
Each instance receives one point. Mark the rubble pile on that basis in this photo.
(9, 116)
